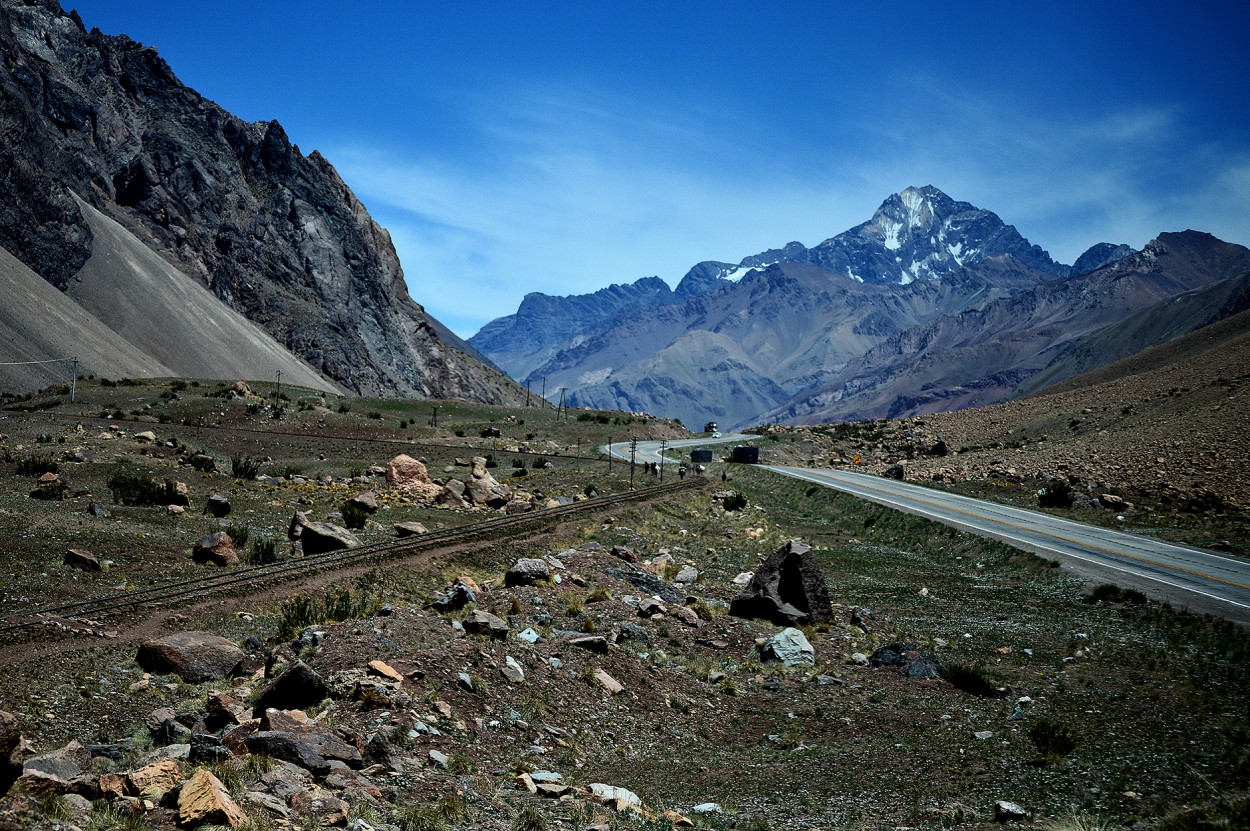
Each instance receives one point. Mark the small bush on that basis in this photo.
(37, 466)
(460, 434)
(354, 516)
(529, 818)
(1053, 739)
(244, 467)
(971, 680)
(137, 489)
(734, 502)
(264, 551)
(1056, 494)
(1112, 593)
(375, 415)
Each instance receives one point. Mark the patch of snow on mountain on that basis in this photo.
(955, 250)
(915, 204)
(597, 376)
(735, 274)
(891, 236)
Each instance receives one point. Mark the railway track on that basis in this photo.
(87, 617)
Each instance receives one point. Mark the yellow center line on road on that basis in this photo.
(1111, 551)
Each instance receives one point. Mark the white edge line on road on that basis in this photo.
(1004, 538)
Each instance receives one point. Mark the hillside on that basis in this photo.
(1161, 429)
(984, 355)
(273, 234)
(577, 663)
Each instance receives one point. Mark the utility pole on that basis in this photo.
(73, 385)
(609, 455)
(527, 392)
(279, 395)
(545, 390)
(633, 450)
(663, 445)
(562, 407)
(434, 417)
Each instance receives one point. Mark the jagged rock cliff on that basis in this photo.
(273, 233)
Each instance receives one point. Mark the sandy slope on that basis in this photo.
(172, 318)
(41, 323)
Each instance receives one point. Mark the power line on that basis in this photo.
(49, 361)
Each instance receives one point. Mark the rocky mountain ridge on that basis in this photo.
(988, 354)
(273, 233)
(920, 233)
(932, 304)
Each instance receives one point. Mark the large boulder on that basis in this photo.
(409, 477)
(204, 799)
(192, 656)
(320, 537)
(314, 750)
(787, 588)
(481, 622)
(791, 647)
(60, 771)
(215, 549)
(296, 687)
(527, 571)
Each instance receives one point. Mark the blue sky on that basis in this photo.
(512, 147)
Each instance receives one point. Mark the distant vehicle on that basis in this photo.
(716, 434)
(710, 427)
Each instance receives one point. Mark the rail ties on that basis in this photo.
(71, 616)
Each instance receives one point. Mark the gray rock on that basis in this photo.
(295, 529)
(686, 576)
(456, 597)
(439, 759)
(320, 537)
(81, 559)
(480, 622)
(787, 588)
(410, 529)
(512, 670)
(707, 808)
(296, 687)
(366, 501)
(192, 656)
(215, 549)
(218, 506)
(791, 647)
(528, 635)
(594, 643)
(1005, 811)
(648, 584)
(527, 571)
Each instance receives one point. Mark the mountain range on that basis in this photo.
(181, 240)
(932, 304)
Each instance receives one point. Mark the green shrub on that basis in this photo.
(264, 551)
(971, 680)
(37, 466)
(1056, 494)
(244, 467)
(354, 516)
(529, 818)
(1112, 593)
(1053, 739)
(138, 489)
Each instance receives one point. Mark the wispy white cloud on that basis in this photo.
(568, 189)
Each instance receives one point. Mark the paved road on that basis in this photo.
(1195, 579)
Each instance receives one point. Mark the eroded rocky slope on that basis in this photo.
(272, 232)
